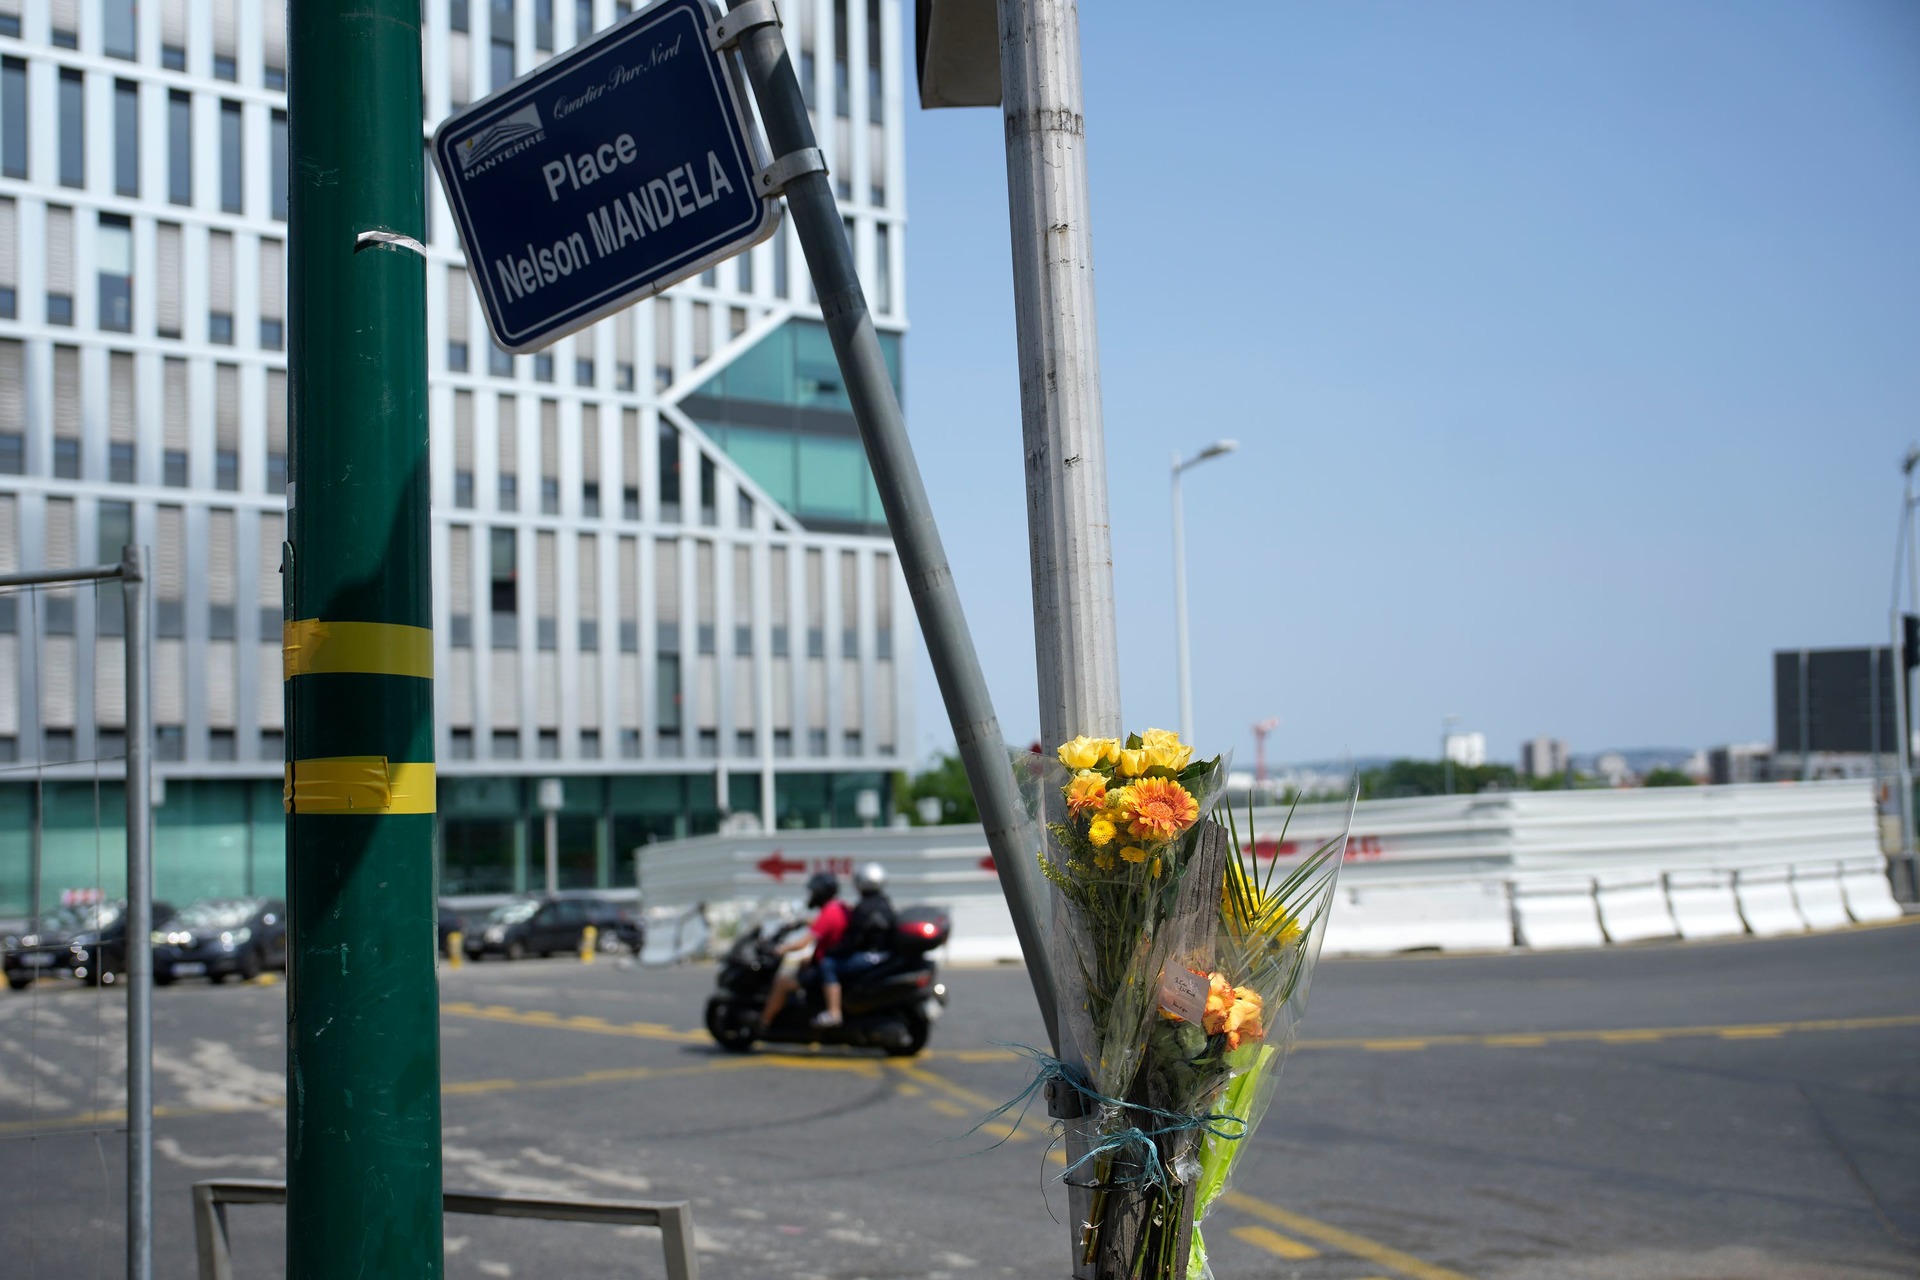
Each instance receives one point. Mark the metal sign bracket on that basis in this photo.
(773, 179)
(726, 30)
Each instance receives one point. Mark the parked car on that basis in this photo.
(99, 954)
(545, 926)
(220, 938)
(66, 942)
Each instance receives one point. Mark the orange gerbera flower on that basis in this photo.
(1160, 809)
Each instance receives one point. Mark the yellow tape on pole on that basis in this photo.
(359, 784)
(314, 647)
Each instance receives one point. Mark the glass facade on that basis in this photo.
(781, 411)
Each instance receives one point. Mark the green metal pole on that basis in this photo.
(363, 1050)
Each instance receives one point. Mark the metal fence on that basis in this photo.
(673, 1218)
(132, 574)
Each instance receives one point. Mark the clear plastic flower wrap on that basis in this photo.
(1182, 972)
(1266, 942)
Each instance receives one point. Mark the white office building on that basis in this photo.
(1543, 757)
(660, 565)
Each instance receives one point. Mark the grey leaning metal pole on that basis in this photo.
(823, 237)
(133, 577)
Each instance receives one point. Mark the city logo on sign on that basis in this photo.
(497, 137)
(609, 174)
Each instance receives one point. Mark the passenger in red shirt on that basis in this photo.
(828, 930)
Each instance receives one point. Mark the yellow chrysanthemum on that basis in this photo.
(1104, 859)
(1134, 853)
(1160, 809)
(1245, 909)
(1087, 792)
(1101, 831)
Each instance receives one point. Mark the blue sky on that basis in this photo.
(1572, 351)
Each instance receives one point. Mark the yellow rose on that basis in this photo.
(1109, 748)
(1082, 753)
(1100, 832)
(1165, 750)
(1134, 853)
(1132, 764)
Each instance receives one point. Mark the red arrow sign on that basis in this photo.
(777, 867)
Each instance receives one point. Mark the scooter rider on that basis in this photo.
(827, 932)
(871, 927)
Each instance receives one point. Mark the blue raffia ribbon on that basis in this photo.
(1047, 1069)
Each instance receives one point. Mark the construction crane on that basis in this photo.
(1260, 731)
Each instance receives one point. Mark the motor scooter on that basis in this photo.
(891, 1007)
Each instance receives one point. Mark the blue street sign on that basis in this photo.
(608, 174)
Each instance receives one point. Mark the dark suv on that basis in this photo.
(221, 938)
(546, 926)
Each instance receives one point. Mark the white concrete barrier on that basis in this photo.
(1703, 904)
(1817, 894)
(1552, 868)
(1863, 883)
(1376, 917)
(1633, 908)
(1555, 913)
(1766, 901)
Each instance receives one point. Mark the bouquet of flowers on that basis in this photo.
(1185, 971)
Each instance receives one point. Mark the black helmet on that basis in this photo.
(822, 887)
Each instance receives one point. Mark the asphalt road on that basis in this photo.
(1739, 1110)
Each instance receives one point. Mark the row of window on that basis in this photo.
(123, 130)
(121, 456)
(114, 272)
(58, 745)
(120, 34)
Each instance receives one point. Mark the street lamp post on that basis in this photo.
(1213, 450)
(1902, 686)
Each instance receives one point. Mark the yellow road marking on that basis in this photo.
(548, 1020)
(947, 1108)
(1623, 1035)
(1372, 1044)
(1273, 1242)
(1334, 1237)
(118, 1116)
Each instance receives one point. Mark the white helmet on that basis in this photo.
(871, 878)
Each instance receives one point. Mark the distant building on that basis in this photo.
(1543, 757)
(1613, 768)
(1748, 762)
(661, 571)
(1466, 749)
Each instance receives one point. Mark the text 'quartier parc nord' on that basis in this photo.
(643, 208)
